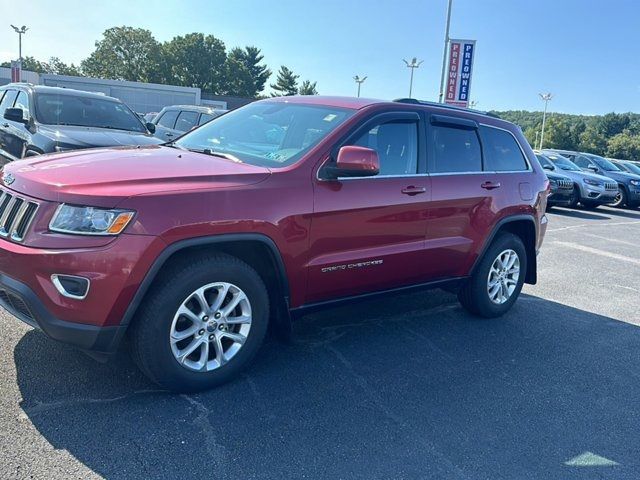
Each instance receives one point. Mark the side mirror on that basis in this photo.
(151, 127)
(593, 168)
(15, 115)
(354, 161)
(548, 167)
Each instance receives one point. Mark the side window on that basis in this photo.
(454, 150)
(396, 144)
(22, 102)
(204, 118)
(168, 119)
(186, 121)
(8, 100)
(582, 162)
(501, 151)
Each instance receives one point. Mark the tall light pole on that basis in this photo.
(359, 81)
(545, 98)
(20, 31)
(412, 65)
(444, 53)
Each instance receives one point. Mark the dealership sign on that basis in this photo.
(459, 72)
(16, 70)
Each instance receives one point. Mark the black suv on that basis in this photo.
(38, 119)
(176, 120)
(562, 190)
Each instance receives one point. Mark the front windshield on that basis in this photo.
(269, 134)
(65, 109)
(604, 164)
(564, 163)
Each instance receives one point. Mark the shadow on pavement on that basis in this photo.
(578, 214)
(635, 214)
(413, 388)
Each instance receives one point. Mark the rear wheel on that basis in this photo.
(498, 278)
(202, 323)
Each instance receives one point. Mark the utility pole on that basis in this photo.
(412, 65)
(20, 31)
(359, 81)
(545, 97)
(444, 53)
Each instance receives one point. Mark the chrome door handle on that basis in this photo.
(411, 190)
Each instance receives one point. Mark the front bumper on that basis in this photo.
(634, 198)
(91, 323)
(560, 197)
(19, 300)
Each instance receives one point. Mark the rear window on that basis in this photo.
(501, 151)
(57, 109)
(168, 119)
(454, 150)
(186, 121)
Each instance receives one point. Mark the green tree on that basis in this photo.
(31, 64)
(58, 67)
(593, 141)
(196, 60)
(557, 134)
(239, 81)
(625, 146)
(308, 88)
(286, 83)
(125, 53)
(250, 57)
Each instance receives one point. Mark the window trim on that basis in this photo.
(408, 116)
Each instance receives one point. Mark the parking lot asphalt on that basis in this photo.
(408, 386)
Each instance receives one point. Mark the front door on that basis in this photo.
(368, 234)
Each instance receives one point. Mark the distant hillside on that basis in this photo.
(614, 135)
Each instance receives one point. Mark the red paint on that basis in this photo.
(385, 231)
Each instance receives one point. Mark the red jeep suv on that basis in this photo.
(189, 250)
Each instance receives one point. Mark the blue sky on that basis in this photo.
(583, 51)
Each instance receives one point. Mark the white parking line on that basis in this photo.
(593, 224)
(595, 251)
(609, 239)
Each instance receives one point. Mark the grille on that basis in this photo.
(611, 186)
(15, 304)
(16, 215)
(565, 184)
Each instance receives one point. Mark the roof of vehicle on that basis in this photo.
(194, 108)
(59, 91)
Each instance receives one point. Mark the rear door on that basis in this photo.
(165, 125)
(464, 197)
(368, 233)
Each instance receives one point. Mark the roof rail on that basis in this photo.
(414, 101)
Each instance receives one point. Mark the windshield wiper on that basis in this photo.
(214, 153)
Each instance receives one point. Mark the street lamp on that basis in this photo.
(359, 81)
(20, 31)
(545, 98)
(444, 52)
(412, 65)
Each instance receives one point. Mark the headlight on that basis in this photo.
(89, 220)
(635, 183)
(589, 181)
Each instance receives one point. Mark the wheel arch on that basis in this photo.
(524, 226)
(257, 250)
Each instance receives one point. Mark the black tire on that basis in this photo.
(576, 197)
(622, 201)
(474, 295)
(149, 334)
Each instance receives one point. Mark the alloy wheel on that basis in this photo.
(503, 276)
(210, 326)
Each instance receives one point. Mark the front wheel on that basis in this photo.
(201, 324)
(498, 278)
(621, 198)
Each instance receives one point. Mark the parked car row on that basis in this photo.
(594, 180)
(36, 119)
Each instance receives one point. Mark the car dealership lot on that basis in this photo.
(405, 387)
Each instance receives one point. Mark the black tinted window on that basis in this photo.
(396, 144)
(57, 109)
(454, 150)
(168, 119)
(501, 151)
(7, 100)
(186, 121)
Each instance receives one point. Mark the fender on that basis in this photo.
(197, 242)
(532, 264)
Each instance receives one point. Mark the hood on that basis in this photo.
(73, 137)
(556, 176)
(104, 177)
(580, 174)
(623, 176)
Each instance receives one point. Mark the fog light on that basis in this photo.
(71, 286)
